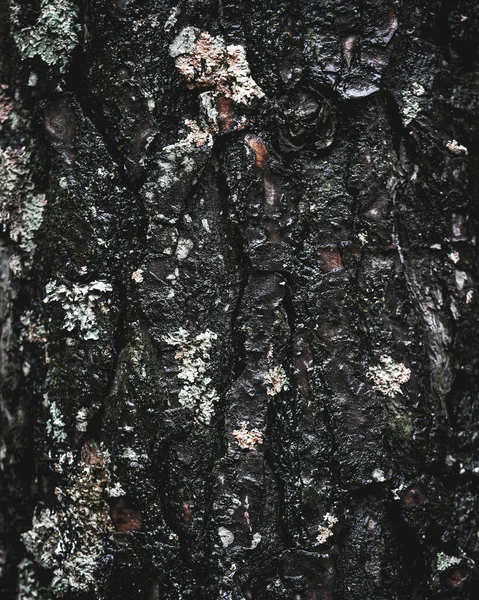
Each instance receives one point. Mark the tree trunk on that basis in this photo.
(238, 299)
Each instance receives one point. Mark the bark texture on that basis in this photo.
(239, 299)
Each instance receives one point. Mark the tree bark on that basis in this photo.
(239, 299)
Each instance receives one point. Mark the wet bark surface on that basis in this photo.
(238, 290)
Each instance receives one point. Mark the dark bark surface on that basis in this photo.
(239, 300)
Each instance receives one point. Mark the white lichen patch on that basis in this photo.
(455, 148)
(226, 536)
(115, 491)
(137, 276)
(256, 540)
(206, 61)
(54, 35)
(379, 476)
(80, 303)
(130, 454)
(172, 19)
(418, 89)
(82, 420)
(247, 438)
(363, 238)
(276, 380)
(443, 561)
(325, 530)
(183, 248)
(193, 354)
(454, 256)
(68, 538)
(396, 492)
(388, 377)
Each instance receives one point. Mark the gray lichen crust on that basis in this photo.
(68, 538)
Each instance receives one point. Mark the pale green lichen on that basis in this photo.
(411, 102)
(68, 539)
(32, 218)
(443, 561)
(55, 424)
(28, 587)
(54, 35)
(193, 353)
(44, 540)
(21, 209)
(388, 377)
(80, 303)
